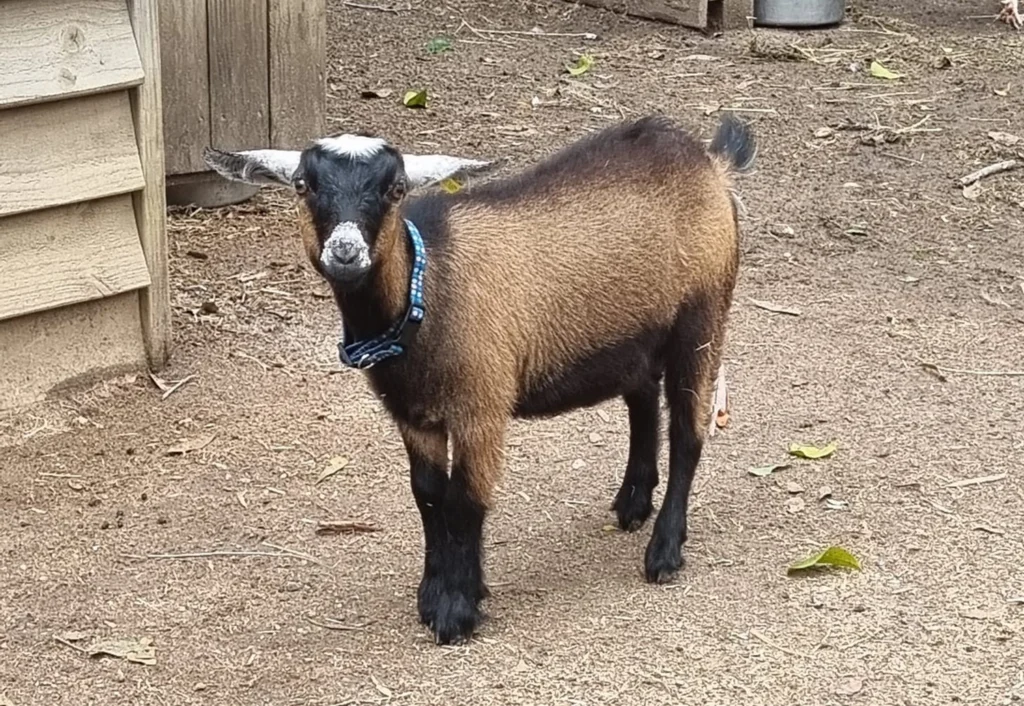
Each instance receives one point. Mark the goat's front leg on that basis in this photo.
(453, 511)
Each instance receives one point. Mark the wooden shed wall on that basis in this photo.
(83, 286)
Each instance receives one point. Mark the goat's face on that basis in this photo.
(349, 190)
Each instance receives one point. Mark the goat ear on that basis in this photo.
(260, 167)
(424, 169)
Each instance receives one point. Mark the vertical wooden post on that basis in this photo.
(150, 203)
(184, 57)
(239, 85)
(298, 82)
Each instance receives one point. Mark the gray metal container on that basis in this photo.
(799, 13)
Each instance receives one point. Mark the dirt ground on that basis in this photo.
(855, 219)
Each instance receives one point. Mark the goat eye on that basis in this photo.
(300, 186)
(397, 190)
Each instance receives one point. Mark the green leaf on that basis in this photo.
(438, 45)
(415, 99)
(762, 471)
(807, 451)
(833, 556)
(451, 185)
(879, 71)
(582, 66)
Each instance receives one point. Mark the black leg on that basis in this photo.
(689, 379)
(633, 502)
(453, 511)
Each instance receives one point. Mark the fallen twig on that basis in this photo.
(989, 171)
(167, 389)
(335, 625)
(344, 527)
(68, 643)
(378, 8)
(774, 308)
(780, 648)
(962, 371)
(976, 481)
(292, 552)
(214, 554)
(526, 33)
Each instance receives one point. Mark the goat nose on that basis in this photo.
(345, 253)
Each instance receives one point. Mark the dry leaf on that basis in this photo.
(762, 471)
(369, 93)
(595, 437)
(978, 614)
(794, 488)
(605, 417)
(1004, 138)
(972, 191)
(811, 452)
(74, 636)
(333, 466)
(822, 132)
(879, 71)
(578, 464)
(849, 687)
(196, 443)
(384, 691)
(140, 651)
(824, 492)
(795, 505)
(610, 528)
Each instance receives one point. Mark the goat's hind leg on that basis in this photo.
(633, 503)
(692, 364)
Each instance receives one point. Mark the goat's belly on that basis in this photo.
(595, 377)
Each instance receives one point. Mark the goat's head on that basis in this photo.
(349, 189)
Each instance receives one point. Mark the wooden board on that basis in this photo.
(185, 84)
(64, 48)
(151, 203)
(298, 88)
(689, 13)
(239, 115)
(68, 151)
(68, 346)
(69, 254)
(730, 15)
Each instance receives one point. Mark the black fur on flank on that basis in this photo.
(734, 142)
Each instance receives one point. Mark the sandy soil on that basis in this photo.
(855, 219)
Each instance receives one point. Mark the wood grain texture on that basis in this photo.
(64, 48)
(185, 84)
(298, 61)
(69, 346)
(68, 151)
(151, 203)
(239, 83)
(689, 13)
(69, 254)
(730, 14)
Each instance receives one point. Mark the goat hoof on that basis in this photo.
(632, 506)
(452, 615)
(663, 560)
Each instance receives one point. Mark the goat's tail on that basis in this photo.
(734, 142)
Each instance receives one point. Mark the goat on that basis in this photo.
(598, 273)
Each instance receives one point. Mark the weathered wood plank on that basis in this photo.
(729, 14)
(185, 85)
(151, 203)
(689, 13)
(69, 254)
(68, 151)
(64, 48)
(60, 348)
(239, 116)
(298, 59)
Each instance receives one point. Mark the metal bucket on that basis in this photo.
(799, 13)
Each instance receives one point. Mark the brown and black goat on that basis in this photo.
(601, 272)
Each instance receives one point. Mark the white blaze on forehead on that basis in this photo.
(356, 146)
(346, 236)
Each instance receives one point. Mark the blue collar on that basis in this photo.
(394, 341)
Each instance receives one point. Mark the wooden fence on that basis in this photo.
(239, 74)
(83, 255)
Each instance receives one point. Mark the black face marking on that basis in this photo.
(341, 188)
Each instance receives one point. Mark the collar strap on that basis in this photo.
(396, 340)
